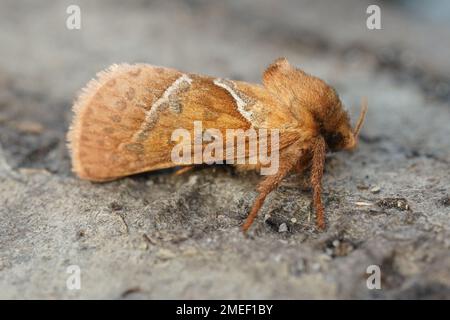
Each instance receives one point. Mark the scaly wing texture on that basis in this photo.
(124, 120)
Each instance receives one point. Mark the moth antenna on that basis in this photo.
(361, 118)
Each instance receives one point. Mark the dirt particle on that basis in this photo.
(283, 227)
(143, 245)
(130, 291)
(80, 234)
(394, 203)
(363, 203)
(30, 127)
(375, 189)
(115, 206)
(272, 222)
(31, 171)
(339, 247)
(445, 201)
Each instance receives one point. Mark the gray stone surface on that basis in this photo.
(162, 236)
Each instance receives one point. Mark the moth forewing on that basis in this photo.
(124, 120)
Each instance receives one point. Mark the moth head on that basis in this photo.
(301, 91)
(337, 129)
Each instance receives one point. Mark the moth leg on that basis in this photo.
(183, 170)
(318, 161)
(287, 162)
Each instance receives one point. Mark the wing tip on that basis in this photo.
(80, 105)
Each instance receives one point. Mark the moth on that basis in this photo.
(124, 121)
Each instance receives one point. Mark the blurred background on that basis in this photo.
(50, 219)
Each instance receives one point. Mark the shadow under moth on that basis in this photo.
(125, 119)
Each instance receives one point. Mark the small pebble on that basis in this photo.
(30, 127)
(192, 180)
(375, 189)
(293, 220)
(363, 203)
(143, 245)
(402, 205)
(31, 171)
(283, 227)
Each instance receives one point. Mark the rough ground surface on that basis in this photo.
(160, 236)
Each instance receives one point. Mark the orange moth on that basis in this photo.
(125, 121)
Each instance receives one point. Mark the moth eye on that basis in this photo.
(334, 139)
